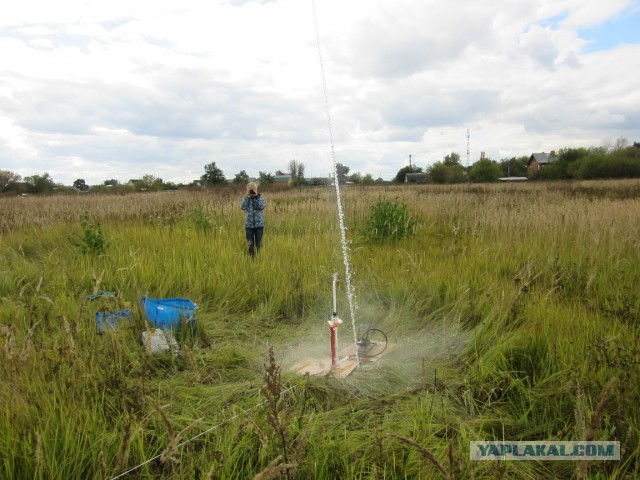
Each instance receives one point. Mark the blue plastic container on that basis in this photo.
(167, 313)
(111, 320)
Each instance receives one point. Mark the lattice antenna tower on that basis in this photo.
(468, 151)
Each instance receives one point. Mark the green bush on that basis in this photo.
(93, 240)
(620, 164)
(388, 220)
(201, 221)
(485, 170)
(440, 172)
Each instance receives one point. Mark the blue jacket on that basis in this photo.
(253, 207)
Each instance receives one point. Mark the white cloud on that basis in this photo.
(538, 44)
(239, 3)
(582, 13)
(99, 90)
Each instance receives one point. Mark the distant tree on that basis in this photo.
(437, 173)
(623, 163)
(571, 155)
(355, 177)
(81, 185)
(265, 178)
(552, 171)
(8, 177)
(296, 172)
(319, 181)
(342, 171)
(568, 163)
(241, 177)
(590, 166)
(213, 175)
(448, 170)
(39, 183)
(113, 182)
(440, 172)
(514, 167)
(402, 173)
(485, 170)
(452, 159)
(620, 144)
(151, 183)
(367, 179)
(17, 187)
(280, 172)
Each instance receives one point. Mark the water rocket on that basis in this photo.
(334, 323)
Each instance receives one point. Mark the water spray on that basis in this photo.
(369, 346)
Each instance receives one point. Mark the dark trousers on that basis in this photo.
(254, 239)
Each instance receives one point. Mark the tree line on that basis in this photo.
(295, 176)
(621, 160)
(618, 161)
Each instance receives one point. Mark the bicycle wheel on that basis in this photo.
(376, 343)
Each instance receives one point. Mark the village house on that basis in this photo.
(538, 161)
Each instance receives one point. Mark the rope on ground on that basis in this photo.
(180, 445)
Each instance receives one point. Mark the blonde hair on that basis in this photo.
(252, 186)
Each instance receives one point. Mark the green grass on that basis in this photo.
(513, 308)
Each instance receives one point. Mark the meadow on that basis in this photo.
(514, 309)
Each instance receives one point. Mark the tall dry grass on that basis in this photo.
(513, 307)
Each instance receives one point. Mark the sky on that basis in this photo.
(116, 90)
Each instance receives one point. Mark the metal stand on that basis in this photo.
(334, 323)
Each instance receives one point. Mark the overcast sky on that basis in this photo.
(100, 90)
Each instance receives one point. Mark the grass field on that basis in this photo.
(514, 307)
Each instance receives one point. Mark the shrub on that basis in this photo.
(440, 172)
(93, 240)
(201, 221)
(388, 220)
(485, 170)
(619, 164)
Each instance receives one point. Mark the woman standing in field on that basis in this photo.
(253, 205)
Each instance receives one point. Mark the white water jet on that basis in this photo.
(343, 228)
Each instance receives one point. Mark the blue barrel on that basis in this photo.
(111, 320)
(167, 313)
